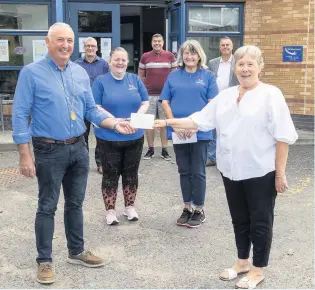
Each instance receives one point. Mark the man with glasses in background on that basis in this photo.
(94, 66)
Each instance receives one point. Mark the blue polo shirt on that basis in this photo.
(120, 98)
(94, 69)
(48, 95)
(189, 93)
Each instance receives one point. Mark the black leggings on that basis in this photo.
(120, 158)
(251, 203)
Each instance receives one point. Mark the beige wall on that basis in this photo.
(271, 25)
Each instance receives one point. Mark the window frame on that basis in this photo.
(21, 32)
(239, 34)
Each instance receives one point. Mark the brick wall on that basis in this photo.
(270, 25)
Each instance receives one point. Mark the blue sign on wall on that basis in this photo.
(292, 54)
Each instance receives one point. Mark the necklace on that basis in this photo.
(73, 115)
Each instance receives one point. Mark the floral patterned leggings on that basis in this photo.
(120, 158)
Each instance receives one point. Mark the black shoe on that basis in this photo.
(149, 154)
(211, 163)
(197, 219)
(165, 155)
(184, 218)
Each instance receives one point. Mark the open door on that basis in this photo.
(101, 21)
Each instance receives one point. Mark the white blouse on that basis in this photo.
(247, 132)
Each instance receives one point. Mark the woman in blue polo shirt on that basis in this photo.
(188, 90)
(120, 94)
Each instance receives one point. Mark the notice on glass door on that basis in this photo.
(39, 49)
(4, 50)
(174, 46)
(106, 46)
(81, 44)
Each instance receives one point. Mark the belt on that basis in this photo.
(53, 141)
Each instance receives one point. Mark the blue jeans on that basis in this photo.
(191, 162)
(56, 165)
(212, 147)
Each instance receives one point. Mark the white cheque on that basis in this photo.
(176, 140)
(142, 121)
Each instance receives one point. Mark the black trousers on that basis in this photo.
(251, 203)
(97, 150)
(120, 158)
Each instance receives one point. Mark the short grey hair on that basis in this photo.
(58, 25)
(251, 50)
(89, 39)
(192, 45)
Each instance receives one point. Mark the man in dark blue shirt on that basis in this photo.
(94, 66)
(56, 93)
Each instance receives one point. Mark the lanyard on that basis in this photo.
(70, 105)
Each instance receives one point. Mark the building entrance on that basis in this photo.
(114, 25)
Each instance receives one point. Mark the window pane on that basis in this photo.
(95, 21)
(20, 49)
(211, 45)
(23, 16)
(174, 21)
(204, 19)
(8, 80)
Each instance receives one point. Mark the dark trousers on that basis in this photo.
(120, 158)
(56, 165)
(251, 203)
(191, 162)
(97, 150)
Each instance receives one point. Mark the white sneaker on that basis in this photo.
(111, 217)
(131, 214)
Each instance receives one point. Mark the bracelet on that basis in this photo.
(166, 123)
(280, 176)
(114, 127)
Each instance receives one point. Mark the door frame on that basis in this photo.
(72, 19)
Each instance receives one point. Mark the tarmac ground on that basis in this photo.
(154, 252)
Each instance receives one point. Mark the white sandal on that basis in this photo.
(232, 274)
(245, 283)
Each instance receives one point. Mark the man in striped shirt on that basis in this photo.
(154, 68)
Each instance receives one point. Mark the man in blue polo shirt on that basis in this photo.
(56, 93)
(94, 66)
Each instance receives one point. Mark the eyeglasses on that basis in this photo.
(91, 46)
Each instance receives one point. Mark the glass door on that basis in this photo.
(101, 21)
(174, 17)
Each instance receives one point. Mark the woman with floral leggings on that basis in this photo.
(120, 94)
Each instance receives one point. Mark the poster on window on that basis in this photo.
(81, 44)
(106, 46)
(4, 50)
(39, 49)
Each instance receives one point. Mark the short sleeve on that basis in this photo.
(97, 90)
(142, 90)
(280, 124)
(142, 62)
(206, 118)
(212, 89)
(166, 91)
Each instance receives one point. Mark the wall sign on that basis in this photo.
(292, 54)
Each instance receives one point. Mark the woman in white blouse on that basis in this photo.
(254, 129)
